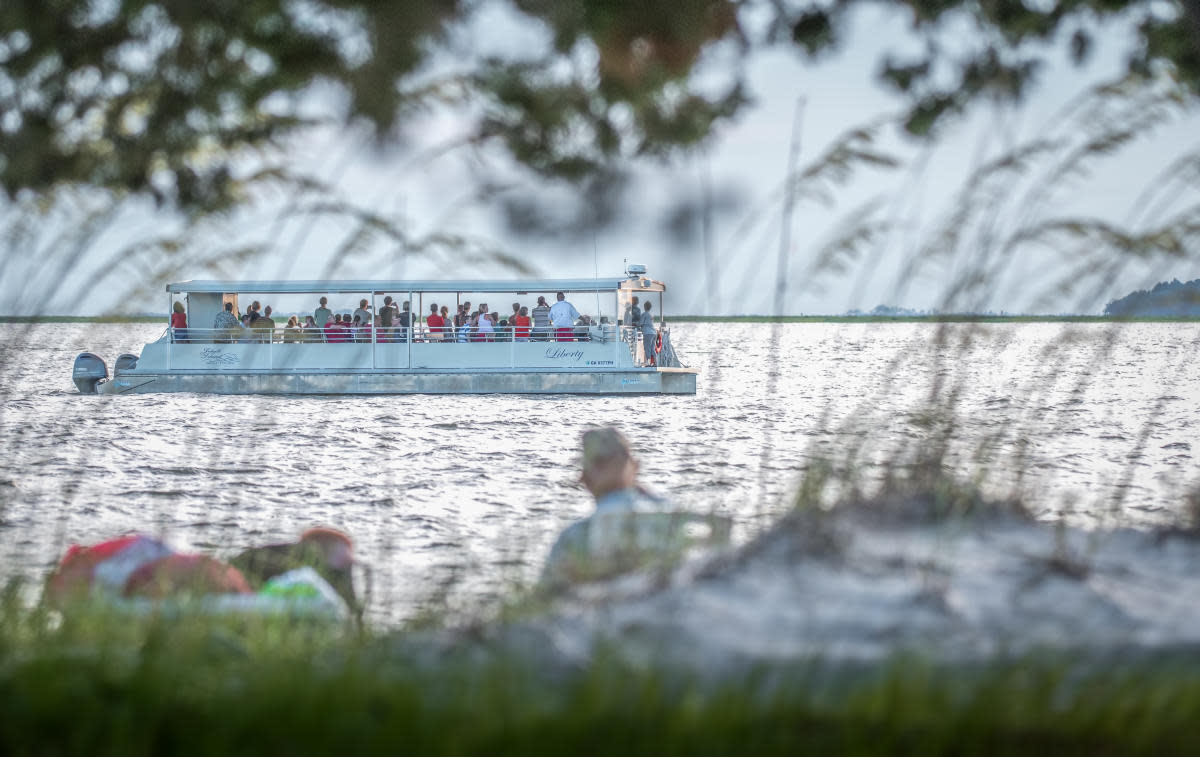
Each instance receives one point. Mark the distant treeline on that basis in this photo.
(1168, 298)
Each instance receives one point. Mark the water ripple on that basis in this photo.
(473, 488)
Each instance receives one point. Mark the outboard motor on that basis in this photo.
(667, 357)
(125, 362)
(89, 371)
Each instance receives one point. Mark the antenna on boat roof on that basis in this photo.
(596, 270)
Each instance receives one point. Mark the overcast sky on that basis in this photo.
(744, 164)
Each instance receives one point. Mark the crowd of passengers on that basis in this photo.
(558, 322)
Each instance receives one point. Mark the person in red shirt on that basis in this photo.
(335, 332)
(435, 323)
(361, 332)
(179, 323)
(522, 322)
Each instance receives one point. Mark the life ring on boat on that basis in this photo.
(658, 343)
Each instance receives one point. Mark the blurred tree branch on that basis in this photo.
(160, 98)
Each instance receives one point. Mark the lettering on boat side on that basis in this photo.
(601, 362)
(217, 356)
(625, 381)
(562, 353)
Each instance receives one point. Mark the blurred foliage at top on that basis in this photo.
(158, 97)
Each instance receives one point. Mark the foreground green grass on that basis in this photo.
(110, 685)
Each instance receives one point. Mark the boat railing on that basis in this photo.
(604, 333)
(632, 338)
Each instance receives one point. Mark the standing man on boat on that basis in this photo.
(387, 318)
(363, 313)
(224, 324)
(323, 315)
(563, 316)
(633, 314)
(406, 320)
(265, 326)
(649, 336)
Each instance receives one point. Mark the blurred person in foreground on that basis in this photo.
(631, 529)
(142, 566)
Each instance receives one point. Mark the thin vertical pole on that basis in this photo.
(789, 201)
(781, 267)
(617, 328)
(374, 337)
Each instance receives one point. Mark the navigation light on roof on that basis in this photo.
(635, 269)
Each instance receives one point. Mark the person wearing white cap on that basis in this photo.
(630, 529)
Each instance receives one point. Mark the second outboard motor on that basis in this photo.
(89, 371)
(125, 362)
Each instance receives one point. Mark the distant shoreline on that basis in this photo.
(961, 318)
(964, 318)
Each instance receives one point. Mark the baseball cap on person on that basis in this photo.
(604, 445)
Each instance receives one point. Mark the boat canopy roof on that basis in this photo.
(395, 286)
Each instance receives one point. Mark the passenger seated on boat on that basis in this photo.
(265, 326)
(351, 329)
(291, 331)
(462, 324)
(363, 331)
(521, 325)
(600, 332)
(247, 334)
(334, 332)
(310, 332)
(483, 327)
(631, 529)
(225, 325)
(582, 327)
(500, 328)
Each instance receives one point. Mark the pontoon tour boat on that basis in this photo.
(605, 351)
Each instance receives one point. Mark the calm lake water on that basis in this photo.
(454, 499)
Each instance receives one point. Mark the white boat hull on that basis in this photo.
(633, 381)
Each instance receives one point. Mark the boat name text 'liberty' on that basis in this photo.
(555, 353)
